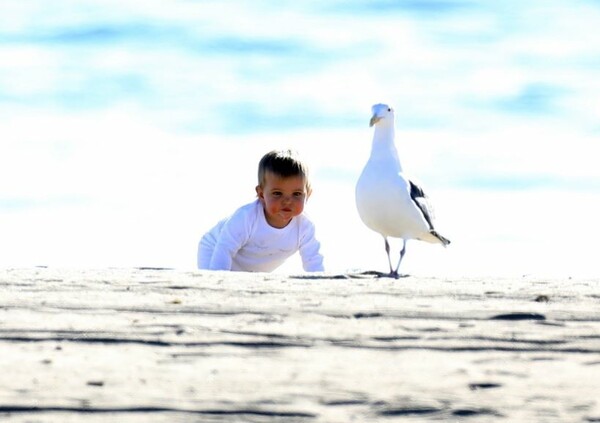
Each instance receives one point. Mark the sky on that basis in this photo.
(129, 128)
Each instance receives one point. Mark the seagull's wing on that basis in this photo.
(422, 202)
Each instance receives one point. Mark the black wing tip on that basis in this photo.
(445, 241)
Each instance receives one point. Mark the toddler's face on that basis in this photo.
(282, 198)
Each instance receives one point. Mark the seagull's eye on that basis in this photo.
(389, 109)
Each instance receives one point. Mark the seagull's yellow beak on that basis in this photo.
(374, 120)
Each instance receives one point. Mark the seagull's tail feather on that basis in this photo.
(445, 241)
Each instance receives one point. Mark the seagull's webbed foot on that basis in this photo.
(394, 274)
(377, 274)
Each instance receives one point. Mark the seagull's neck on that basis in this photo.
(383, 147)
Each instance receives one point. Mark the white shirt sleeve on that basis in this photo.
(235, 232)
(312, 260)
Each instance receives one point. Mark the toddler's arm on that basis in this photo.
(312, 260)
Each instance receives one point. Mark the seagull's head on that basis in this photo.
(382, 112)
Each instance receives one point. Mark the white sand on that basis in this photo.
(167, 346)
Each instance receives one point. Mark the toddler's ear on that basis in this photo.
(259, 192)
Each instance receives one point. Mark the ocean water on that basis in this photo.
(127, 128)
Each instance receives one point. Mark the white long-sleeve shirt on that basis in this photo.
(246, 242)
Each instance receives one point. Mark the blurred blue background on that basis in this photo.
(127, 128)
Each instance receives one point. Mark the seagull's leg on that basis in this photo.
(387, 250)
(381, 274)
(395, 272)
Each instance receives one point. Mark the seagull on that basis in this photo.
(388, 202)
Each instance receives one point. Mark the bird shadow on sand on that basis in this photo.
(369, 274)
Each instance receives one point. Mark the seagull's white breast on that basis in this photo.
(384, 203)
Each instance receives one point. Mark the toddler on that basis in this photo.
(260, 236)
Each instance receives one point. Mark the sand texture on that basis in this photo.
(152, 345)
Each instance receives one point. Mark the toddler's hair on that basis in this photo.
(283, 163)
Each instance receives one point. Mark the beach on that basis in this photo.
(162, 345)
